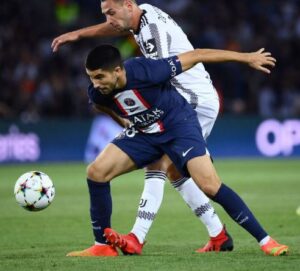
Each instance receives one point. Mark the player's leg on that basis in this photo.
(206, 177)
(110, 163)
(154, 186)
(200, 204)
(122, 156)
(99, 174)
(195, 199)
(207, 113)
(150, 202)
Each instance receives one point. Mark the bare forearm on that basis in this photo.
(118, 120)
(192, 58)
(259, 60)
(99, 30)
(122, 122)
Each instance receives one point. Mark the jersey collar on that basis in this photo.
(142, 21)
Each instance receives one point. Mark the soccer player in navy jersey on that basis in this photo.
(163, 122)
(159, 36)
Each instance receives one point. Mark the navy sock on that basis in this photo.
(239, 212)
(100, 208)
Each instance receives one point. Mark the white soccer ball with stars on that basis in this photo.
(34, 191)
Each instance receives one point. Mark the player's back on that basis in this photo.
(160, 36)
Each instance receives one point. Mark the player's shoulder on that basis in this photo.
(150, 8)
(134, 63)
(139, 68)
(147, 17)
(141, 65)
(155, 18)
(146, 7)
(151, 14)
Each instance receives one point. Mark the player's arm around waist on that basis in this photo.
(122, 122)
(256, 60)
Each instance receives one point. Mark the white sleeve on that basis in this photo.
(155, 41)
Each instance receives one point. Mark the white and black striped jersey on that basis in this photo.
(159, 36)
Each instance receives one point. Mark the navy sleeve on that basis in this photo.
(95, 97)
(146, 71)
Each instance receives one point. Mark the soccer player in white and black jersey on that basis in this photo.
(159, 36)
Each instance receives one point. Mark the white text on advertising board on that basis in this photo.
(275, 138)
(19, 147)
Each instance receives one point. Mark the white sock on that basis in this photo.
(200, 205)
(150, 202)
(264, 241)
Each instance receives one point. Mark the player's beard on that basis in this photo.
(117, 27)
(116, 82)
(126, 23)
(121, 29)
(110, 88)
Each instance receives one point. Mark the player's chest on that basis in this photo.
(131, 102)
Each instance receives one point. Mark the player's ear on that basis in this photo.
(118, 69)
(128, 4)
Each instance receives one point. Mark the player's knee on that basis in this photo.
(97, 173)
(173, 174)
(210, 189)
(156, 166)
(162, 164)
(209, 184)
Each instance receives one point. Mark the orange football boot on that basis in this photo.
(274, 249)
(95, 251)
(128, 243)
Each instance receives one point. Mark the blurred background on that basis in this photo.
(43, 100)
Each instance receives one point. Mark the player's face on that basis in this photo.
(119, 15)
(104, 81)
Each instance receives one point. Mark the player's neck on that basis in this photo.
(136, 18)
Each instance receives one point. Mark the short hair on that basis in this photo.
(106, 57)
(120, 1)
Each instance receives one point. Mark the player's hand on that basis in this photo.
(261, 60)
(126, 123)
(63, 39)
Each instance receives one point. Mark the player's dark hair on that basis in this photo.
(120, 1)
(105, 57)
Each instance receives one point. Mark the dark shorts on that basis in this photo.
(181, 143)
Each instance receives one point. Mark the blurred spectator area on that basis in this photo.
(35, 83)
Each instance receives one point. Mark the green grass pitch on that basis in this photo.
(40, 241)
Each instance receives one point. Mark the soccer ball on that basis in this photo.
(34, 191)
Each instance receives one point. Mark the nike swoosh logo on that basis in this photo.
(184, 154)
(239, 216)
(133, 109)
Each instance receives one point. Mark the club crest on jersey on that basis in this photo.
(129, 102)
(151, 48)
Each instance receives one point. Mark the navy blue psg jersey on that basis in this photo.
(148, 100)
